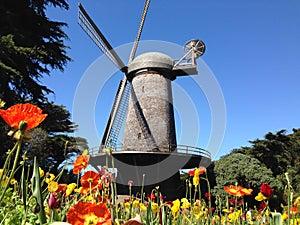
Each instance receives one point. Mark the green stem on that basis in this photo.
(7, 161)
(142, 190)
(18, 144)
(78, 178)
(209, 195)
(36, 191)
(289, 196)
(199, 188)
(24, 190)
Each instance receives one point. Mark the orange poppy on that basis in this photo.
(90, 180)
(61, 188)
(23, 112)
(246, 191)
(89, 213)
(81, 163)
(237, 191)
(294, 210)
(233, 190)
(202, 170)
(197, 171)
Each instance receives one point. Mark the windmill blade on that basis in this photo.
(137, 39)
(98, 38)
(120, 105)
(117, 115)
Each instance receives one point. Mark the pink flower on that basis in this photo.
(53, 201)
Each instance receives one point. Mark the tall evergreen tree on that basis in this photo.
(31, 46)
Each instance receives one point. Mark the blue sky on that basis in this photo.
(253, 52)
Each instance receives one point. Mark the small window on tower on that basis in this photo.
(139, 135)
(143, 89)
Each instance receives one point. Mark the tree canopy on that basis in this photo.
(267, 160)
(31, 46)
(280, 152)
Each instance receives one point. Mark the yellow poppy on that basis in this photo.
(70, 188)
(175, 208)
(52, 186)
(135, 204)
(50, 177)
(41, 172)
(154, 207)
(143, 207)
(260, 197)
(185, 203)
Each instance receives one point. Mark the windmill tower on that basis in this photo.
(144, 98)
(150, 124)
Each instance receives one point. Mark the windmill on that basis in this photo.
(144, 98)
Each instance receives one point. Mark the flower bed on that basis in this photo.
(40, 198)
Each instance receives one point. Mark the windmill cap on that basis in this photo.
(151, 60)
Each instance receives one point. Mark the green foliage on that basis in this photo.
(241, 169)
(51, 151)
(31, 46)
(280, 152)
(275, 151)
(11, 209)
(58, 119)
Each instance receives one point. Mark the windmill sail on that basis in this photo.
(139, 113)
(119, 109)
(117, 115)
(98, 38)
(120, 104)
(138, 36)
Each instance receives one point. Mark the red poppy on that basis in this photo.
(151, 197)
(262, 206)
(168, 203)
(232, 201)
(81, 163)
(29, 113)
(198, 171)
(89, 213)
(266, 190)
(192, 173)
(212, 209)
(162, 198)
(207, 195)
(90, 180)
(61, 188)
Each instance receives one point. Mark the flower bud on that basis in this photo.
(53, 201)
(22, 126)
